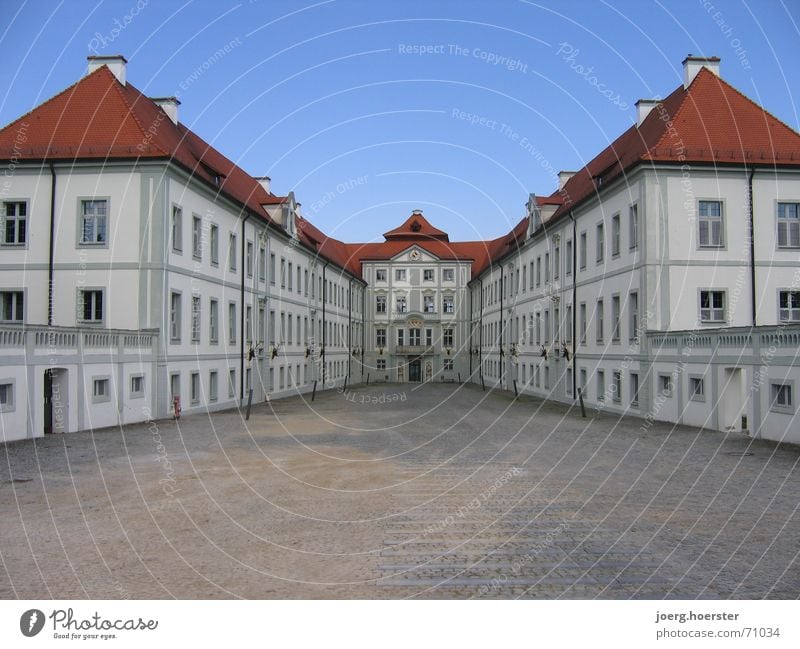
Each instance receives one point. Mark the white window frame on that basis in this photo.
(785, 388)
(792, 309)
(710, 221)
(96, 218)
(137, 393)
(697, 388)
(81, 305)
(712, 310)
(17, 305)
(16, 218)
(791, 226)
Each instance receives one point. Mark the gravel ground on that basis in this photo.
(394, 491)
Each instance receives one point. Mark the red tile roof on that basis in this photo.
(415, 226)
(708, 122)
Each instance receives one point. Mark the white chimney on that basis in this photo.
(265, 182)
(169, 105)
(563, 177)
(116, 63)
(643, 108)
(693, 64)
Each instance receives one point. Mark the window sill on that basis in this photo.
(782, 410)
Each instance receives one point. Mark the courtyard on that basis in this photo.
(400, 491)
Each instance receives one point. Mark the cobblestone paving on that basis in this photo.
(398, 492)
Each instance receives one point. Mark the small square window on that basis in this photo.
(380, 275)
(427, 275)
(712, 306)
(6, 396)
(665, 384)
(448, 275)
(100, 390)
(137, 386)
(12, 304)
(697, 389)
(400, 275)
(448, 365)
(782, 401)
(381, 364)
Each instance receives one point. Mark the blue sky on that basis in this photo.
(368, 110)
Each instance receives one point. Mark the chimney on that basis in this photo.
(643, 108)
(116, 63)
(563, 177)
(265, 182)
(169, 105)
(693, 64)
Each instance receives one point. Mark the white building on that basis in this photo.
(140, 265)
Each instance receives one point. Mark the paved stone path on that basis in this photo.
(399, 492)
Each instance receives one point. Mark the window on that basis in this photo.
(195, 319)
(231, 384)
(696, 389)
(615, 318)
(429, 337)
(633, 303)
(538, 271)
(782, 397)
(194, 387)
(400, 275)
(427, 275)
(601, 385)
(137, 386)
(289, 279)
(665, 384)
(448, 275)
(617, 386)
(6, 396)
(249, 259)
(448, 365)
(262, 264)
(94, 222)
(197, 237)
(15, 223)
(712, 306)
(401, 337)
(100, 390)
(429, 304)
(380, 275)
(90, 306)
(283, 273)
(401, 304)
(633, 226)
(788, 225)
(547, 267)
(556, 262)
(13, 303)
(214, 237)
(634, 389)
(213, 321)
(568, 323)
(710, 223)
(174, 386)
(568, 382)
(414, 337)
(583, 322)
(305, 281)
(232, 252)
(601, 243)
(380, 337)
(615, 235)
(248, 325)
(546, 326)
(599, 322)
(582, 251)
(568, 258)
(380, 304)
(212, 386)
(448, 305)
(447, 338)
(789, 306)
(381, 364)
(232, 323)
(175, 317)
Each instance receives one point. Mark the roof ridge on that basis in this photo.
(132, 112)
(673, 117)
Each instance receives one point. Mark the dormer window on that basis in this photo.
(416, 226)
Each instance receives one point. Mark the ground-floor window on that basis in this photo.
(782, 397)
(6, 396)
(231, 383)
(100, 390)
(194, 388)
(212, 385)
(448, 364)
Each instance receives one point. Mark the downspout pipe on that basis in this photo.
(244, 310)
(324, 326)
(480, 335)
(502, 326)
(50, 263)
(752, 243)
(574, 262)
(471, 336)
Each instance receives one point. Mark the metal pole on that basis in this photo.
(314, 391)
(515, 389)
(249, 403)
(345, 384)
(483, 384)
(580, 398)
(367, 378)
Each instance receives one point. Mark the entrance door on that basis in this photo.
(48, 402)
(732, 402)
(414, 371)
